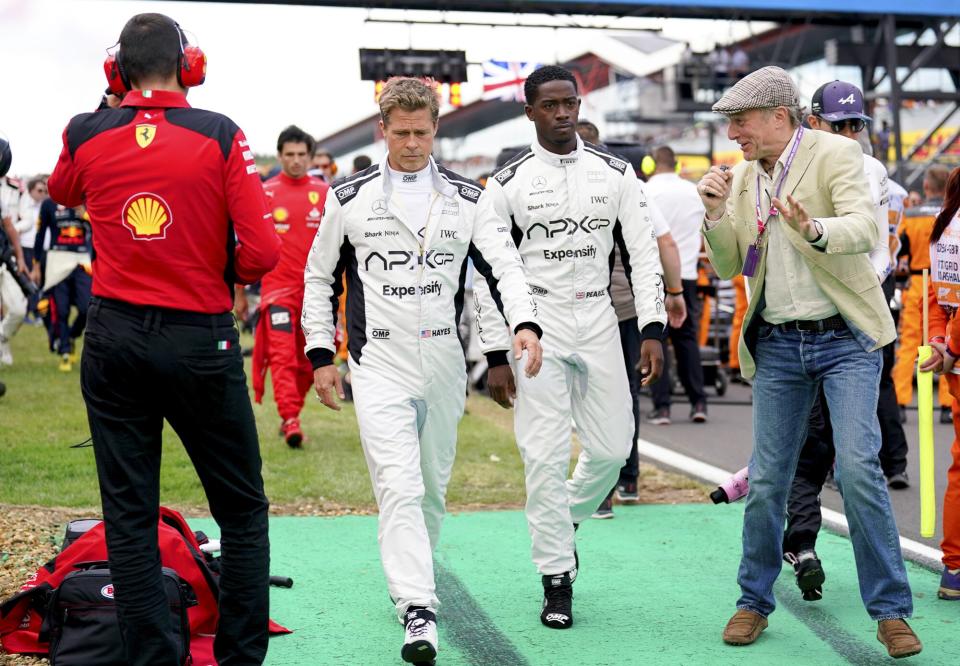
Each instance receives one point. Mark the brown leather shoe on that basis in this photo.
(898, 638)
(744, 628)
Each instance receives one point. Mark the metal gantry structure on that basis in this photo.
(867, 34)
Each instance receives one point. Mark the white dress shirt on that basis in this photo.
(790, 290)
(682, 207)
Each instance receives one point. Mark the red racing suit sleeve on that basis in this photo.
(64, 183)
(258, 246)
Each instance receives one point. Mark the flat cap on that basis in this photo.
(766, 88)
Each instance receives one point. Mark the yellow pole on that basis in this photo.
(928, 503)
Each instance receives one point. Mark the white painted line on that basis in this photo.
(913, 550)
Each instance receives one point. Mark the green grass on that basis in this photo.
(42, 414)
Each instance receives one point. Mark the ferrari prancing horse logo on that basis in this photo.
(145, 134)
(314, 197)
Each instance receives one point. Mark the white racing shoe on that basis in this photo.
(420, 639)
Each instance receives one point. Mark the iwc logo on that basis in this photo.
(147, 216)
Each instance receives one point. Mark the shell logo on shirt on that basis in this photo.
(314, 197)
(147, 216)
(280, 217)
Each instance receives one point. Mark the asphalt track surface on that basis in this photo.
(726, 441)
(657, 585)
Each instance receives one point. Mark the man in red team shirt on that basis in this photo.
(179, 215)
(297, 203)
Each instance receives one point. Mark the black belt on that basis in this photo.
(165, 315)
(914, 271)
(833, 323)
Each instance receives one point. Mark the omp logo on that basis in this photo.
(147, 216)
(346, 192)
(503, 230)
(448, 233)
(568, 226)
(380, 334)
(379, 206)
(590, 294)
(557, 617)
(409, 177)
(504, 175)
(588, 252)
(432, 289)
(617, 164)
(847, 100)
(599, 199)
(397, 259)
(280, 317)
(538, 291)
(469, 192)
(538, 183)
(107, 591)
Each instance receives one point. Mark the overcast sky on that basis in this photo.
(269, 65)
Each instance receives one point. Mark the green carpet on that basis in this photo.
(656, 586)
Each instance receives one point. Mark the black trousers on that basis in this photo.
(893, 445)
(816, 457)
(141, 366)
(686, 347)
(73, 290)
(630, 343)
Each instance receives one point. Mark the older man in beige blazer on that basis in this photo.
(796, 219)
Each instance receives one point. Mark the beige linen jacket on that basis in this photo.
(827, 178)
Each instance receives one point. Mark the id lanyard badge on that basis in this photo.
(756, 248)
(755, 251)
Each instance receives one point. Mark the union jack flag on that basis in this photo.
(504, 80)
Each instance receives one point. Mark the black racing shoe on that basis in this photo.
(605, 510)
(557, 610)
(809, 572)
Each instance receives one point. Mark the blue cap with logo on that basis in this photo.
(838, 100)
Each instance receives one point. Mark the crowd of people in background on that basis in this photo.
(54, 248)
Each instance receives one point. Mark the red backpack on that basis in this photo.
(22, 615)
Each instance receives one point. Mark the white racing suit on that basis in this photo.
(567, 212)
(404, 296)
(13, 303)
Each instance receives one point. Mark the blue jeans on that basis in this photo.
(790, 367)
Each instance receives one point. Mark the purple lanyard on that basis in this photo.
(761, 223)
